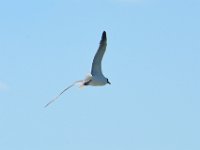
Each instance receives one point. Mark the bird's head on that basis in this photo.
(108, 82)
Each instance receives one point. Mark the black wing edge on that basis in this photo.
(103, 38)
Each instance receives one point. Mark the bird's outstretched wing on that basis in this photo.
(63, 92)
(96, 64)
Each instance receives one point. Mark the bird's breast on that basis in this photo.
(97, 81)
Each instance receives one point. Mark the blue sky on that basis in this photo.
(152, 61)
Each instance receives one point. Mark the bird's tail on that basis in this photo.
(88, 78)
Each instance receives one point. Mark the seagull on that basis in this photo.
(96, 77)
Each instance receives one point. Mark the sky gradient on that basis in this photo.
(152, 61)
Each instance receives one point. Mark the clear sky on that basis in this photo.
(152, 61)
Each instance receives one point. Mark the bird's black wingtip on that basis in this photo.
(104, 35)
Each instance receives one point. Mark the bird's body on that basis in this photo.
(95, 81)
(96, 78)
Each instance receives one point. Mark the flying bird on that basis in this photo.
(96, 78)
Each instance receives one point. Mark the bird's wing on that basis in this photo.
(62, 92)
(96, 64)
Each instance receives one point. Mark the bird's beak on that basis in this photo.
(109, 82)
